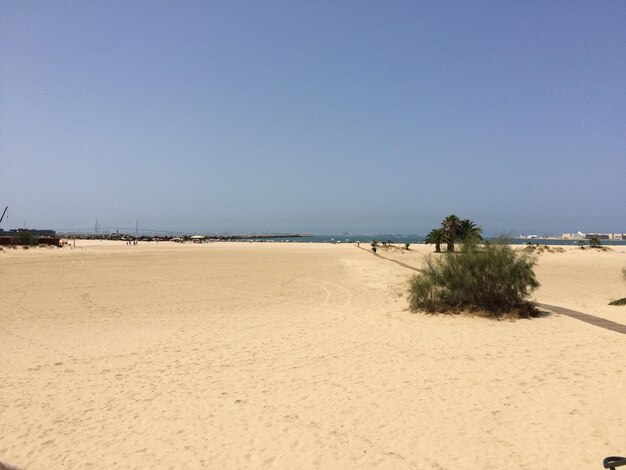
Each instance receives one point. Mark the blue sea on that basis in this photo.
(402, 239)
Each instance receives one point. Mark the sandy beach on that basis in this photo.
(286, 355)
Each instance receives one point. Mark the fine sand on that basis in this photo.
(268, 355)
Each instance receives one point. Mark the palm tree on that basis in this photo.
(469, 232)
(436, 236)
(450, 226)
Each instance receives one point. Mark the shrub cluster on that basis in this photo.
(24, 238)
(492, 278)
(620, 301)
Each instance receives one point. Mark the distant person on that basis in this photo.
(374, 249)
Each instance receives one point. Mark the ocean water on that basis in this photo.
(351, 238)
(413, 239)
(364, 238)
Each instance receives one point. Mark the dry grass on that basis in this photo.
(538, 249)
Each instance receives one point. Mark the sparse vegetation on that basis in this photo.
(623, 300)
(391, 248)
(594, 242)
(538, 249)
(24, 238)
(494, 279)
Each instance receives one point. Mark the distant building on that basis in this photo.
(573, 236)
(601, 236)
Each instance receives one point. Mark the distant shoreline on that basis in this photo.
(308, 238)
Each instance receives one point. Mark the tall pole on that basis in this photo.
(136, 227)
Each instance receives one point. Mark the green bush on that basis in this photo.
(620, 302)
(492, 278)
(24, 238)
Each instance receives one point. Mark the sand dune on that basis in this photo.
(238, 355)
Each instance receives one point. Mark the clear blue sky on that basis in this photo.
(314, 116)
